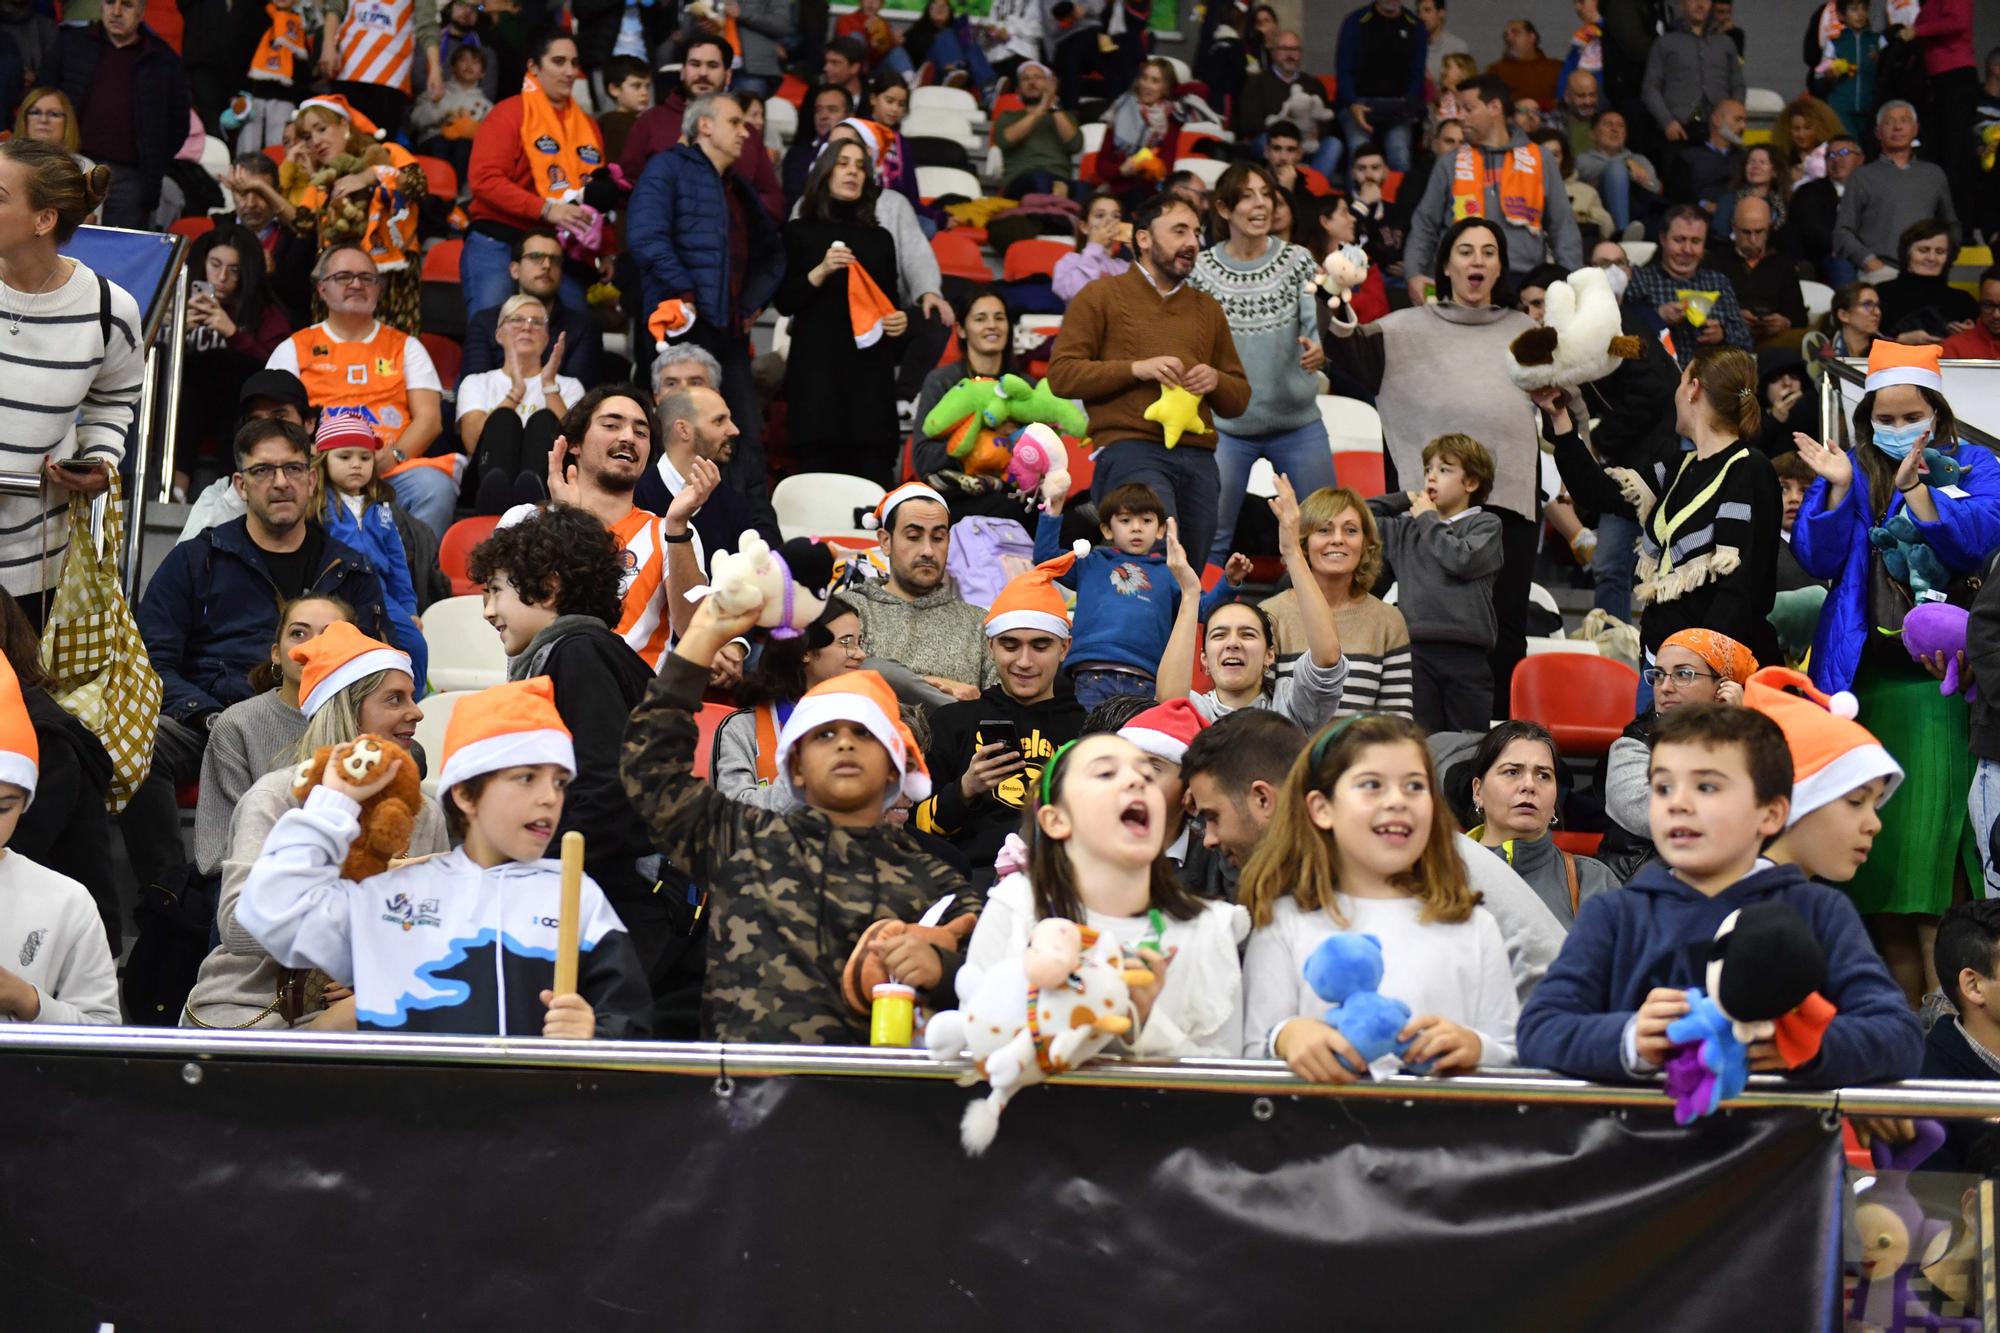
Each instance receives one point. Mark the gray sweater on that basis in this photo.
(1686, 74)
(1443, 368)
(248, 740)
(1881, 200)
(1557, 241)
(1269, 302)
(939, 634)
(1444, 570)
(1540, 863)
(238, 980)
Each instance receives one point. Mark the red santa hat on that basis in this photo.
(863, 698)
(909, 490)
(1032, 601)
(338, 105)
(1893, 363)
(20, 753)
(503, 727)
(339, 657)
(1165, 730)
(1831, 753)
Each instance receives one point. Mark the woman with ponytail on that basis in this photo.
(1708, 511)
(69, 350)
(1927, 841)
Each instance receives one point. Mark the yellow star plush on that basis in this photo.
(1178, 412)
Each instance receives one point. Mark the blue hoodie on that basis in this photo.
(1655, 932)
(1125, 604)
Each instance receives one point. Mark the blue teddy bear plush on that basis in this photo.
(1344, 970)
(1905, 555)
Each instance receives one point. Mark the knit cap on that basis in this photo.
(20, 752)
(1893, 363)
(502, 727)
(1831, 753)
(1032, 601)
(1165, 730)
(863, 698)
(339, 657)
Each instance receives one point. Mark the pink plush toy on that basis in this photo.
(1038, 454)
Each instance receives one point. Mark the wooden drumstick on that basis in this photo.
(570, 923)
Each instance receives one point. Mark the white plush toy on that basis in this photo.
(1305, 113)
(755, 575)
(1047, 1011)
(1581, 337)
(1344, 269)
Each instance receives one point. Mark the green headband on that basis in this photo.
(1326, 737)
(1049, 770)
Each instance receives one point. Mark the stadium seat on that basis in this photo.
(276, 152)
(1819, 298)
(1578, 844)
(192, 228)
(1361, 473)
(812, 504)
(441, 262)
(929, 150)
(937, 182)
(1585, 701)
(446, 356)
(465, 650)
(1093, 135)
(455, 551)
(709, 720)
(938, 97)
(440, 177)
(792, 89)
(1209, 169)
(430, 730)
(959, 256)
(941, 125)
(781, 123)
(1034, 256)
(1352, 426)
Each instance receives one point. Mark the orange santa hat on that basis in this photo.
(865, 699)
(1832, 754)
(339, 657)
(867, 307)
(1893, 363)
(502, 727)
(1031, 601)
(885, 508)
(20, 753)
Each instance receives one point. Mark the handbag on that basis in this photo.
(92, 649)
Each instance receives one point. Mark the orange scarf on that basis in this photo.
(390, 235)
(283, 43)
(1522, 196)
(563, 147)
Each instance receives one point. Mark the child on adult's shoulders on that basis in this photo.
(1722, 780)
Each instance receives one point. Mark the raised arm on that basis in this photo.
(1176, 675)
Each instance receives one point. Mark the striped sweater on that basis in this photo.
(68, 393)
(1373, 639)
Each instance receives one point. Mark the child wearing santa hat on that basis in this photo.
(464, 942)
(1841, 775)
(55, 965)
(791, 891)
(987, 752)
(1097, 824)
(1903, 427)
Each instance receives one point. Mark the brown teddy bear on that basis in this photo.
(387, 817)
(353, 210)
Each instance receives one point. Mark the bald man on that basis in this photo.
(1766, 283)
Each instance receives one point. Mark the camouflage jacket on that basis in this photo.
(789, 893)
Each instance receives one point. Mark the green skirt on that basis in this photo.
(1926, 831)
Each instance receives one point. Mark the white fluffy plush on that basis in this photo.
(1305, 113)
(1583, 315)
(755, 575)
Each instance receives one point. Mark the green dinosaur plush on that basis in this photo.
(1029, 404)
(968, 396)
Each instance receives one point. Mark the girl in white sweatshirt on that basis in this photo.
(1097, 830)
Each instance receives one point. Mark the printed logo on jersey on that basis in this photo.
(32, 946)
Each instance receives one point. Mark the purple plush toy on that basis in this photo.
(1938, 627)
(1897, 1239)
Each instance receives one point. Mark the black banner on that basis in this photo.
(367, 1198)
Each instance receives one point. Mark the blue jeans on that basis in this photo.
(1391, 118)
(1184, 479)
(948, 53)
(1838, 271)
(429, 494)
(483, 279)
(1613, 565)
(1095, 687)
(1615, 188)
(1303, 454)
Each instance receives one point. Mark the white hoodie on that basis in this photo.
(51, 937)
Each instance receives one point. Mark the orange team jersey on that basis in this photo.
(377, 43)
(642, 613)
(364, 377)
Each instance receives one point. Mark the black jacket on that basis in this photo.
(721, 521)
(1948, 1055)
(1815, 208)
(160, 97)
(1982, 659)
(66, 827)
(1634, 404)
(979, 827)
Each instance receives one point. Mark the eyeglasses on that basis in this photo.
(1832, 153)
(1683, 676)
(853, 643)
(47, 113)
(261, 474)
(526, 322)
(353, 279)
(542, 257)
(1989, 305)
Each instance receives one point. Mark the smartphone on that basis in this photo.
(79, 466)
(202, 287)
(999, 731)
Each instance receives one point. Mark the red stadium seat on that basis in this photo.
(959, 256)
(794, 89)
(192, 228)
(445, 355)
(1034, 256)
(710, 720)
(455, 551)
(1585, 701)
(1578, 844)
(440, 177)
(1361, 472)
(441, 262)
(276, 152)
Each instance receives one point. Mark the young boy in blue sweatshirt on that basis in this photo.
(1125, 598)
(1445, 550)
(1722, 781)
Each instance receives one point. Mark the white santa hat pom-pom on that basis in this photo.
(1842, 703)
(1079, 548)
(870, 522)
(977, 1129)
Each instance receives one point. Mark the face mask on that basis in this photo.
(1615, 275)
(1897, 441)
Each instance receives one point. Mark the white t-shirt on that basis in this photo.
(419, 371)
(483, 392)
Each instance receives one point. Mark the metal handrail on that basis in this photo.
(730, 1060)
(1837, 368)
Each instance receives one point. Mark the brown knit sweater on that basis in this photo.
(1116, 321)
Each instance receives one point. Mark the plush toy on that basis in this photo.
(1765, 972)
(1305, 113)
(1897, 1239)
(387, 817)
(1149, 164)
(1345, 971)
(1344, 269)
(1795, 615)
(1905, 555)
(865, 970)
(755, 575)
(974, 413)
(1581, 338)
(353, 210)
(1931, 628)
(1056, 1006)
(1039, 456)
(1178, 412)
